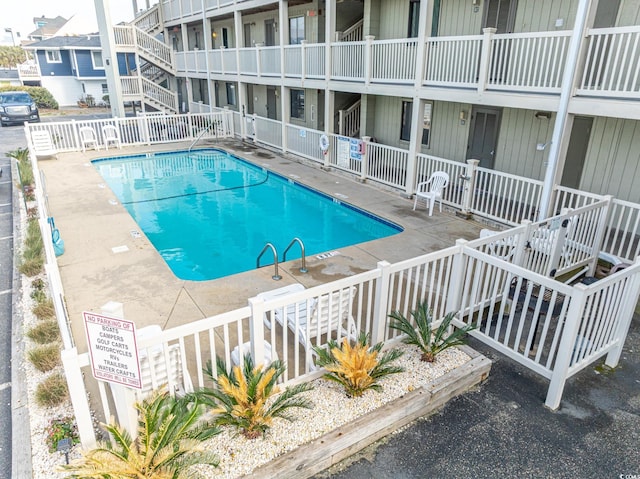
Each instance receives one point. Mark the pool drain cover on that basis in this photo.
(330, 254)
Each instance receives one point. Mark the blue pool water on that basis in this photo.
(209, 214)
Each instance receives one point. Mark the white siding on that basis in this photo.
(629, 13)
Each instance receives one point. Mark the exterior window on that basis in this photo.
(297, 104)
(105, 89)
(405, 128)
(435, 20)
(96, 59)
(53, 56)
(231, 94)
(414, 18)
(296, 30)
(201, 91)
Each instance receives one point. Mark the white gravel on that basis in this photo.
(238, 455)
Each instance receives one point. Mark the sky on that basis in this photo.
(18, 14)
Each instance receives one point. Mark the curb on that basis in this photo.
(331, 448)
(20, 427)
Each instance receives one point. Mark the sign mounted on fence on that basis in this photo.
(113, 350)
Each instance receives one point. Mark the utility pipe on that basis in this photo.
(561, 117)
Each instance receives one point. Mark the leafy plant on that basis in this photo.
(42, 96)
(24, 166)
(44, 332)
(242, 398)
(422, 335)
(61, 428)
(52, 391)
(357, 368)
(44, 358)
(170, 436)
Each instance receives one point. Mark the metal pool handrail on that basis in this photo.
(275, 276)
(295, 240)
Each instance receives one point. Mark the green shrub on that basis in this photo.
(33, 255)
(45, 357)
(44, 309)
(44, 332)
(430, 342)
(52, 391)
(61, 428)
(42, 96)
(24, 165)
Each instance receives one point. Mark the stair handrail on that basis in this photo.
(148, 20)
(352, 34)
(161, 95)
(151, 46)
(303, 268)
(275, 276)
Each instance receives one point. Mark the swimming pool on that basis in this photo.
(209, 213)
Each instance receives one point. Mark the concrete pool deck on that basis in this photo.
(92, 223)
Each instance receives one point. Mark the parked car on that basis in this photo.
(17, 107)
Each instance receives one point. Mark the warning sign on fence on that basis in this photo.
(113, 350)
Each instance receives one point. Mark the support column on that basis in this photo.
(108, 43)
(554, 166)
(184, 31)
(329, 96)
(417, 118)
(285, 94)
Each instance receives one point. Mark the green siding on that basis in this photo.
(395, 19)
(541, 15)
(457, 17)
(629, 13)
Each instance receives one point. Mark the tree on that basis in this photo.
(11, 56)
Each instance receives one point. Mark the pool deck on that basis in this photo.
(92, 223)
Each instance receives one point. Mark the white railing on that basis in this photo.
(612, 66)
(349, 120)
(386, 164)
(622, 238)
(393, 61)
(339, 155)
(130, 86)
(348, 61)
(270, 62)
(199, 107)
(453, 60)
(159, 96)
(352, 34)
(123, 36)
(248, 61)
(153, 47)
(304, 142)
(454, 193)
(140, 130)
(293, 61)
(268, 131)
(530, 61)
(149, 20)
(504, 197)
(314, 61)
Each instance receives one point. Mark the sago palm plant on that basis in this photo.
(170, 436)
(430, 342)
(246, 397)
(359, 367)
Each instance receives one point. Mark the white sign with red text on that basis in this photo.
(113, 350)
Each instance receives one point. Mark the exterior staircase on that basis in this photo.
(156, 62)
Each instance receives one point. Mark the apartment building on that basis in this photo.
(517, 84)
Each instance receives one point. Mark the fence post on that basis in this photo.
(454, 298)
(303, 59)
(521, 245)
(76, 136)
(601, 231)
(469, 186)
(381, 303)
(368, 53)
(364, 163)
(632, 291)
(259, 59)
(78, 395)
(256, 330)
(566, 347)
(485, 58)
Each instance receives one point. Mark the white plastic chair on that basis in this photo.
(431, 190)
(42, 143)
(110, 134)
(327, 314)
(88, 137)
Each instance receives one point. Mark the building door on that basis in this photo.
(250, 106)
(606, 17)
(247, 35)
(483, 135)
(270, 32)
(500, 14)
(272, 106)
(576, 151)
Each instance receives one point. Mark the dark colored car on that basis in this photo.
(17, 107)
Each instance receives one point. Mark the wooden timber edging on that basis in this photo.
(346, 440)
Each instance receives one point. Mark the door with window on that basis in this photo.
(270, 32)
(272, 106)
(483, 135)
(576, 151)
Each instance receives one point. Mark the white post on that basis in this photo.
(256, 330)
(601, 231)
(381, 304)
(415, 143)
(454, 298)
(570, 67)
(469, 186)
(364, 167)
(485, 58)
(565, 349)
(368, 67)
(107, 42)
(78, 395)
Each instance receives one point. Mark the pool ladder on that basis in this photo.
(276, 276)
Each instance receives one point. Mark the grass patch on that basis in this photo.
(44, 358)
(44, 332)
(33, 256)
(52, 391)
(44, 309)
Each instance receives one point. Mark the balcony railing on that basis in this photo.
(519, 62)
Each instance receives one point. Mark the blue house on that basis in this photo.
(72, 68)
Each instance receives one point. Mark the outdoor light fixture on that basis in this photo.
(542, 146)
(463, 117)
(543, 114)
